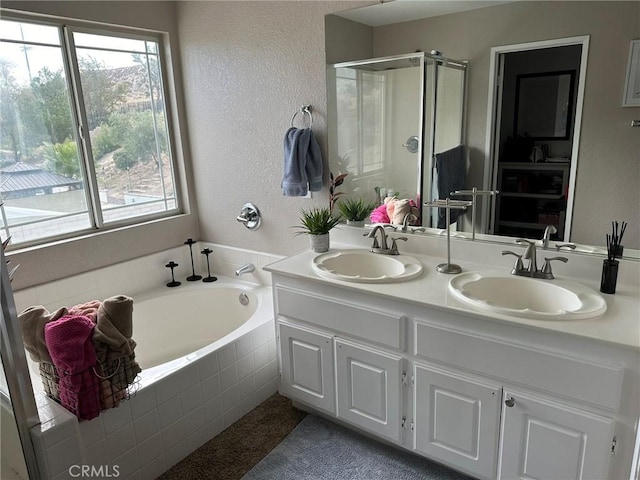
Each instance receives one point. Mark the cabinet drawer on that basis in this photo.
(569, 377)
(376, 326)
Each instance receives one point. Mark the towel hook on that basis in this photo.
(304, 109)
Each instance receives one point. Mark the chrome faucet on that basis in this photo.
(532, 268)
(246, 268)
(383, 246)
(409, 217)
(531, 255)
(383, 239)
(548, 231)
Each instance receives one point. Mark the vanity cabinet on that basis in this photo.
(306, 366)
(456, 419)
(545, 439)
(490, 399)
(369, 388)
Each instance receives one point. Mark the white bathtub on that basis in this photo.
(178, 325)
(206, 361)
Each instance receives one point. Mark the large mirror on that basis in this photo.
(602, 180)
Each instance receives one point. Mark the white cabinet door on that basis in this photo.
(369, 388)
(457, 419)
(549, 441)
(306, 358)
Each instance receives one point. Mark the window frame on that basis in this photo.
(66, 27)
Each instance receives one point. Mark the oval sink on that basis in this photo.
(366, 267)
(528, 297)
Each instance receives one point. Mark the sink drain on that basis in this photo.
(244, 299)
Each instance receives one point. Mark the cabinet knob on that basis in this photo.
(510, 402)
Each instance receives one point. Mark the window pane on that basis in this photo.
(373, 98)
(91, 40)
(26, 32)
(41, 181)
(123, 98)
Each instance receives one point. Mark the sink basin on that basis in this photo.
(528, 297)
(366, 267)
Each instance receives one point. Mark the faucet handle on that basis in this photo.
(524, 240)
(546, 268)
(570, 246)
(375, 239)
(518, 266)
(394, 246)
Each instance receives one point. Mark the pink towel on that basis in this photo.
(70, 344)
(379, 215)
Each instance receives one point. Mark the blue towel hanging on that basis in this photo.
(451, 170)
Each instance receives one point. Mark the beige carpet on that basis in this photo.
(237, 449)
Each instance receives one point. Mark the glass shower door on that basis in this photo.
(12, 461)
(18, 407)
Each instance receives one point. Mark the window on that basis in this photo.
(361, 115)
(84, 139)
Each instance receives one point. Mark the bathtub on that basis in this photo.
(207, 359)
(176, 326)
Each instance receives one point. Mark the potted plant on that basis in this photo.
(355, 210)
(317, 222)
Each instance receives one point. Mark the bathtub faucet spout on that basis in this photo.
(246, 268)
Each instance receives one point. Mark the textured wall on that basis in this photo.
(248, 66)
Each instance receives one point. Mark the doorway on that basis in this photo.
(536, 93)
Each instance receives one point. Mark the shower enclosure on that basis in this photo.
(388, 117)
(17, 403)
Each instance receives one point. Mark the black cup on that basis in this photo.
(618, 251)
(609, 276)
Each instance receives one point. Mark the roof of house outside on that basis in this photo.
(22, 176)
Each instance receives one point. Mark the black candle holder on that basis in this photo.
(173, 282)
(208, 278)
(193, 277)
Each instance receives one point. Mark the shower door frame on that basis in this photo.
(14, 362)
(428, 160)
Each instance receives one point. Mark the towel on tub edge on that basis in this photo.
(33, 321)
(71, 346)
(112, 339)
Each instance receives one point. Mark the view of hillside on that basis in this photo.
(42, 175)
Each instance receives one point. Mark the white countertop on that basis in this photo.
(619, 325)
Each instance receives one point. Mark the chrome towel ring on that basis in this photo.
(304, 109)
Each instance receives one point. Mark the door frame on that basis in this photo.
(493, 121)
